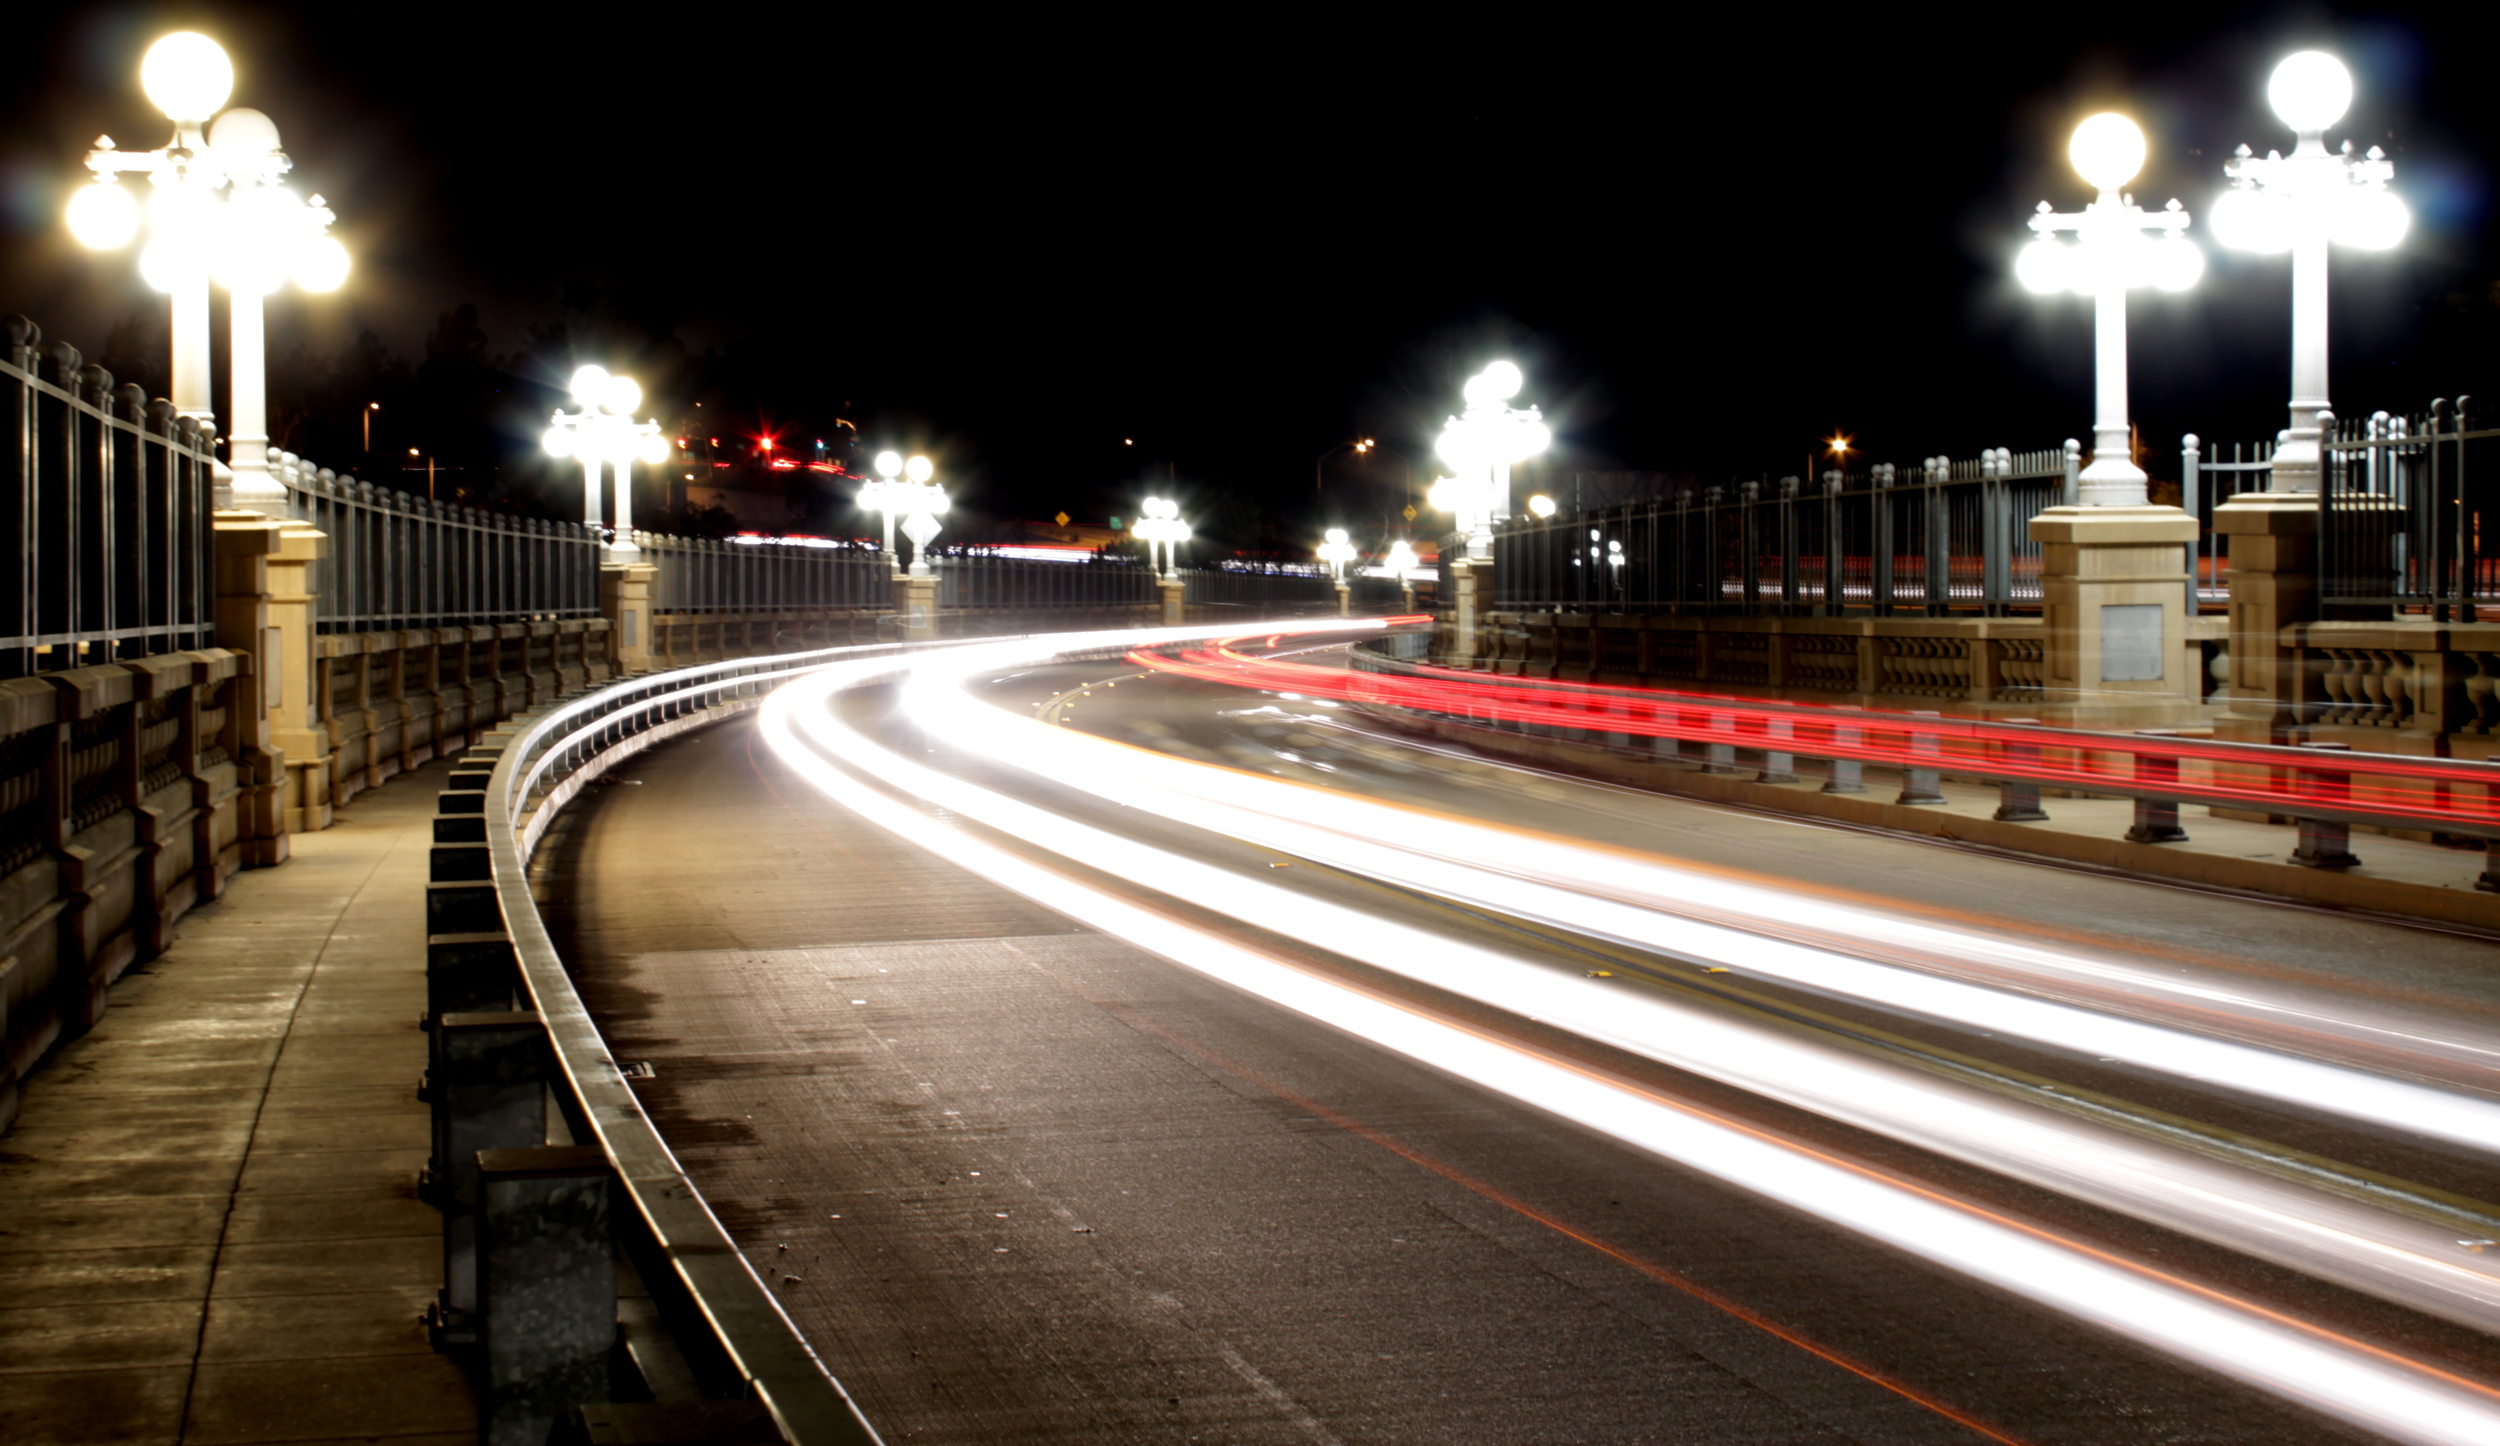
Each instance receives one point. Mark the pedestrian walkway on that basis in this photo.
(209, 1225)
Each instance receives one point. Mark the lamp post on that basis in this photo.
(251, 242)
(2299, 203)
(1482, 443)
(912, 494)
(1162, 530)
(1402, 562)
(1336, 549)
(2111, 254)
(604, 432)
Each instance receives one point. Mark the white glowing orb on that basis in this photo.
(187, 76)
(322, 264)
(889, 464)
(2107, 150)
(590, 383)
(621, 395)
(2310, 91)
(102, 217)
(558, 441)
(1496, 383)
(168, 265)
(919, 469)
(2371, 220)
(1541, 505)
(2045, 266)
(243, 133)
(2247, 219)
(654, 449)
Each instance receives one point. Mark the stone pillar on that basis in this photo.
(1170, 589)
(2113, 584)
(1345, 601)
(255, 555)
(295, 728)
(915, 608)
(1469, 581)
(625, 596)
(2274, 584)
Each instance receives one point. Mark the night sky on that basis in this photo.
(1242, 236)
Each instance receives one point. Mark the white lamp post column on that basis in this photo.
(2299, 203)
(2111, 256)
(1482, 443)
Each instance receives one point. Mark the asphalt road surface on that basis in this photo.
(1020, 1181)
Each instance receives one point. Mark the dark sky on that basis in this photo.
(1241, 235)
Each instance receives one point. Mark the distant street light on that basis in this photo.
(604, 432)
(1336, 551)
(1481, 444)
(1162, 527)
(2299, 203)
(2111, 256)
(1541, 505)
(1361, 445)
(251, 243)
(903, 486)
(370, 409)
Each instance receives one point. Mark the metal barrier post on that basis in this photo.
(2018, 799)
(1923, 783)
(2327, 844)
(546, 1287)
(2156, 820)
(489, 1092)
(1778, 764)
(1848, 774)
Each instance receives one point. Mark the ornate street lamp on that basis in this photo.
(604, 433)
(2299, 203)
(912, 494)
(252, 241)
(1161, 528)
(2113, 252)
(1482, 443)
(1337, 550)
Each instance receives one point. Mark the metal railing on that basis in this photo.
(397, 561)
(107, 515)
(733, 1335)
(1948, 536)
(763, 574)
(1219, 587)
(976, 581)
(2404, 522)
(2206, 481)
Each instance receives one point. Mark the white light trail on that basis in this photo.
(2305, 1363)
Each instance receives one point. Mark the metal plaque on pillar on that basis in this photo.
(2131, 650)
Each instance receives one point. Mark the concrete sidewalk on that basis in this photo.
(209, 1227)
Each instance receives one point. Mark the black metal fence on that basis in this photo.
(107, 514)
(2405, 521)
(750, 574)
(1949, 536)
(397, 561)
(976, 581)
(1219, 587)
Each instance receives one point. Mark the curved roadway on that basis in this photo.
(1019, 1180)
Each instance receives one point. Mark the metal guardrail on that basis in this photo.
(732, 1334)
(2328, 789)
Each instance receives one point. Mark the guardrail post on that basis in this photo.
(1778, 764)
(1721, 757)
(2018, 799)
(489, 1092)
(2156, 820)
(1923, 783)
(546, 1287)
(1848, 774)
(2324, 843)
